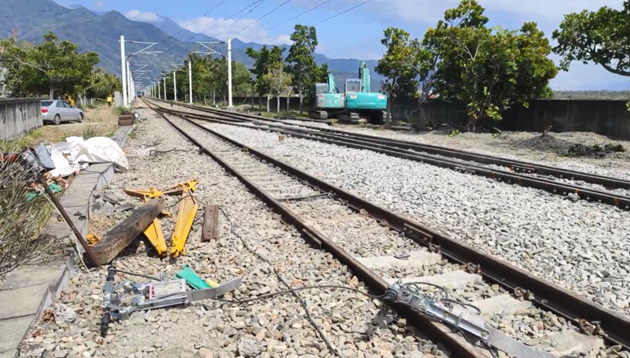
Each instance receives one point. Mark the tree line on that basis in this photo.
(487, 69)
(460, 59)
(54, 68)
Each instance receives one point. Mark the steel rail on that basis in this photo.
(433, 329)
(552, 186)
(544, 294)
(515, 165)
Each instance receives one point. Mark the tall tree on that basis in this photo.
(47, 67)
(279, 82)
(488, 69)
(300, 61)
(601, 36)
(263, 61)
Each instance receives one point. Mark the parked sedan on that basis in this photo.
(57, 111)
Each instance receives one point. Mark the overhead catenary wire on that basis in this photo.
(262, 17)
(213, 26)
(192, 23)
(241, 17)
(300, 14)
(341, 13)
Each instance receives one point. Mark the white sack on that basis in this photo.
(93, 150)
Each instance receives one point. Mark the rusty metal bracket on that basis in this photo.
(522, 294)
(591, 328)
(472, 268)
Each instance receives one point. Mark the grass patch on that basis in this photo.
(90, 132)
(121, 111)
(33, 137)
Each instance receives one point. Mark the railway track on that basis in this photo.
(328, 216)
(551, 179)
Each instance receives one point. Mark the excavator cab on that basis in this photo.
(353, 85)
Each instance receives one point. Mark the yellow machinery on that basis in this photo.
(186, 215)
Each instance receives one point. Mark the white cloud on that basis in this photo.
(240, 29)
(99, 3)
(137, 15)
(431, 11)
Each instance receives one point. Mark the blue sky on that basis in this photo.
(357, 33)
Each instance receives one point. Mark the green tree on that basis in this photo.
(279, 82)
(264, 60)
(601, 36)
(300, 61)
(47, 67)
(488, 69)
(101, 85)
(397, 65)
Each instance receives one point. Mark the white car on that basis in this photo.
(57, 111)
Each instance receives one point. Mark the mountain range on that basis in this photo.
(100, 32)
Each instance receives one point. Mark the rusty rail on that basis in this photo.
(544, 294)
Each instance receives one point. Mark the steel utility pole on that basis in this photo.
(165, 88)
(229, 65)
(175, 86)
(159, 94)
(129, 84)
(123, 76)
(190, 81)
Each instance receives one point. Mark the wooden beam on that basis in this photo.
(123, 234)
(210, 224)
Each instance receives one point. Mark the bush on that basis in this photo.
(20, 220)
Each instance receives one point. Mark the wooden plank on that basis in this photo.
(210, 224)
(123, 234)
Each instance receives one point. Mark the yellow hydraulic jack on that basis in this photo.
(153, 232)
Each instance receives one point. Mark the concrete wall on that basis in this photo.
(605, 117)
(18, 116)
(3, 86)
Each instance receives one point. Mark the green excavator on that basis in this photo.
(356, 102)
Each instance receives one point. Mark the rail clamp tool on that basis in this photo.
(472, 326)
(124, 298)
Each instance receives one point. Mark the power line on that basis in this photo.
(213, 26)
(262, 17)
(192, 23)
(242, 16)
(304, 13)
(343, 12)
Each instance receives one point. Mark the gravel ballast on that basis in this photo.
(524, 146)
(362, 236)
(274, 327)
(580, 245)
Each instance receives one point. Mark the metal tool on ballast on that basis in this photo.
(471, 325)
(122, 299)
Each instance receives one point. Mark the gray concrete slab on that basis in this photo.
(121, 134)
(13, 332)
(21, 302)
(9, 354)
(452, 280)
(34, 275)
(415, 259)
